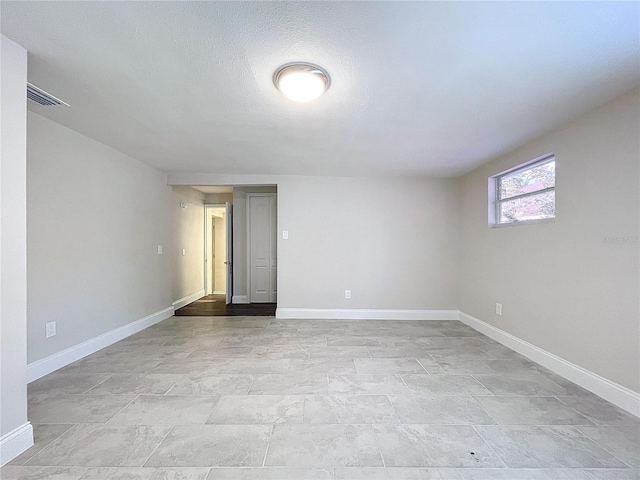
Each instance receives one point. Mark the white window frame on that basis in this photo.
(494, 192)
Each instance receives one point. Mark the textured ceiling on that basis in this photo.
(418, 88)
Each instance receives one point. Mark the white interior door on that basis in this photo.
(262, 212)
(229, 259)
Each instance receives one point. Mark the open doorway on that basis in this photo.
(218, 251)
(218, 266)
(250, 233)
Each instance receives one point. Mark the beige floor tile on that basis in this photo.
(135, 383)
(267, 473)
(145, 473)
(66, 383)
(212, 385)
(289, 384)
(257, 409)
(212, 446)
(75, 408)
(166, 410)
(37, 473)
(323, 446)
(102, 445)
(349, 409)
(367, 384)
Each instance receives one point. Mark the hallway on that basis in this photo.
(214, 306)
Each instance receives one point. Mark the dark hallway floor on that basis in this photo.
(214, 305)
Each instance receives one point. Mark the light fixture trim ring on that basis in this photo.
(301, 67)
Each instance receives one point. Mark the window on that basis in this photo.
(524, 194)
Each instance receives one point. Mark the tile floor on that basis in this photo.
(206, 398)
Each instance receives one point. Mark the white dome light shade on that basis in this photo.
(301, 82)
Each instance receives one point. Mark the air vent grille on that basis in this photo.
(43, 98)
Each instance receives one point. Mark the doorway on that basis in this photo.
(214, 306)
(218, 251)
(252, 266)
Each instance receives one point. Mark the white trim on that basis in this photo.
(617, 394)
(15, 442)
(542, 159)
(523, 222)
(45, 366)
(494, 194)
(188, 299)
(239, 299)
(219, 292)
(365, 314)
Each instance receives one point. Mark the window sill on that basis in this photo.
(523, 222)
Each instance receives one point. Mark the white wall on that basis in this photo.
(187, 231)
(13, 253)
(563, 286)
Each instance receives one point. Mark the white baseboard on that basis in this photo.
(15, 442)
(239, 299)
(219, 292)
(617, 394)
(365, 314)
(49, 364)
(188, 299)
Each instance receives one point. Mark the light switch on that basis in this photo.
(184, 252)
(285, 234)
(159, 249)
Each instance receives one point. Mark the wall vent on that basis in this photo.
(43, 98)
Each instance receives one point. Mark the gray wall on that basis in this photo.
(187, 231)
(13, 248)
(95, 220)
(563, 286)
(218, 198)
(391, 241)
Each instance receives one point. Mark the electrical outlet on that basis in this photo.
(347, 294)
(51, 329)
(498, 309)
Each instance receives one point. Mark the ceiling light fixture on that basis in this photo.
(301, 82)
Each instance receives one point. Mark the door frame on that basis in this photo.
(248, 234)
(206, 236)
